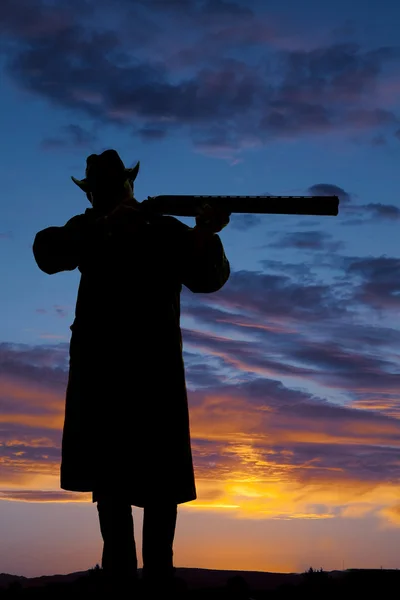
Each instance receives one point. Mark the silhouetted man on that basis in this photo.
(126, 434)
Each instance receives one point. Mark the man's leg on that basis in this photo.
(119, 560)
(159, 522)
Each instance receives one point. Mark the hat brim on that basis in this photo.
(82, 183)
(131, 175)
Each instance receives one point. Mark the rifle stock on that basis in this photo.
(189, 206)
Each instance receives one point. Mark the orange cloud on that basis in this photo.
(261, 449)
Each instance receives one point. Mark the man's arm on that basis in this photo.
(203, 266)
(59, 249)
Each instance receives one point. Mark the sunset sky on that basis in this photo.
(293, 367)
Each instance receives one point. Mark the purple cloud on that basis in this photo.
(162, 82)
(268, 296)
(43, 496)
(287, 364)
(329, 189)
(295, 436)
(364, 213)
(379, 278)
(47, 362)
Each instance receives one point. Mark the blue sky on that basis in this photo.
(292, 367)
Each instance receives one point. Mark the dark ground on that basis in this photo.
(199, 584)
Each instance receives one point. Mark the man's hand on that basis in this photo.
(126, 211)
(124, 217)
(209, 221)
(212, 219)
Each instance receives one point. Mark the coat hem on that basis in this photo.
(133, 501)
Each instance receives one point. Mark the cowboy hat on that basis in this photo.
(107, 164)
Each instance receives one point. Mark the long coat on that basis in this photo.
(126, 427)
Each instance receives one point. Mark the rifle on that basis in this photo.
(190, 206)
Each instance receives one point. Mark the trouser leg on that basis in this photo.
(159, 524)
(119, 549)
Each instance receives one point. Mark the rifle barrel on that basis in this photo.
(188, 206)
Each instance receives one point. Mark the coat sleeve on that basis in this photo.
(59, 249)
(203, 269)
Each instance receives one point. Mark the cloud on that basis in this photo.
(279, 297)
(31, 20)
(201, 372)
(291, 398)
(32, 388)
(59, 311)
(43, 496)
(259, 429)
(73, 136)
(379, 281)
(223, 8)
(392, 513)
(276, 453)
(308, 241)
(195, 9)
(363, 213)
(287, 326)
(170, 81)
(378, 211)
(301, 270)
(329, 189)
(299, 359)
(23, 356)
